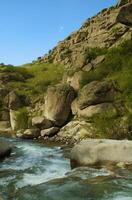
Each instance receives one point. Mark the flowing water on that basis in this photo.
(39, 172)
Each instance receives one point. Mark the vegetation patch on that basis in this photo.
(38, 78)
(22, 118)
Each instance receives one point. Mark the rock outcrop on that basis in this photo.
(98, 152)
(123, 2)
(101, 31)
(125, 14)
(94, 98)
(41, 122)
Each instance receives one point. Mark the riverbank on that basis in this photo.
(40, 171)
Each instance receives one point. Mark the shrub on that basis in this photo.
(92, 53)
(22, 118)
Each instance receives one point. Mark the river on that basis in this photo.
(37, 171)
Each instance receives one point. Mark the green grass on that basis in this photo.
(22, 118)
(37, 77)
(117, 67)
(92, 53)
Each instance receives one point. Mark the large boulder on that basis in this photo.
(75, 80)
(93, 152)
(58, 103)
(49, 132)
(41, 122)
(125, 14)
(94, 98)
(91, 111)
(75, 131)
(94, 93)
(5, 149)
(28, 133)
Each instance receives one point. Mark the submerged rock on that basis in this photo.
(5, 149)
(93, 152)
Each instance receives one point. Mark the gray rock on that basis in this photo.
(28, 133)
(94, 93)
(98, 60)
(75, 80)
(88, 67)
(76, 130)
(91, 111)
(5, 149)
(41, 122)
(58, 103)
(49, 132)
(93, 152)
(125, 15)
(14, 101)
(4, 125)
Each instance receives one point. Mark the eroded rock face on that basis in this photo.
(95, 32)
(97, 152)
(125, 14)
(75, 131)
(123, 2)
(58, 103)
(14, 101)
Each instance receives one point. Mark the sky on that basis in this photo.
(30, 28)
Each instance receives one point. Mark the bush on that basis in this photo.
(22, 118)
(92, 53)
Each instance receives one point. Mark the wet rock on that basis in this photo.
(93, 152)
(5, 149)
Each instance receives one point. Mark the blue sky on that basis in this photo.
(29, 28)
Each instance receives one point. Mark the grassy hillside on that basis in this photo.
(32, 79)
(118, 68)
